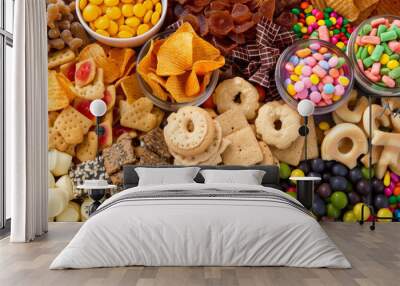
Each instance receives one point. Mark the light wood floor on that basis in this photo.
(375, 257)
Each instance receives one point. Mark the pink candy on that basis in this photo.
(375, 23)
(319, 71)
(302, 95)
(318, 56)
(394, 46)
(373, 32)
(339, 90)
(388, 81)
(315, 96)
(307, 82)
(327, 79)
(310, 61)
(306, 71)
(289, 67)
(388, 192)
(374, 78)
(376, 68)
(299, 86)
(373, 40)
(333, 61)
(323, 33)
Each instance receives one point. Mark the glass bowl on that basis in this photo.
(281, 74)
(167, 105)
(367, 85)
(124, 42)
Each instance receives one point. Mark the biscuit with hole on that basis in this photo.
(211, 151)
(189, 131)
(278, 124)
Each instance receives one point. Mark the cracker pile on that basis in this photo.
(242, 123)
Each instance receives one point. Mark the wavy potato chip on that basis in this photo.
(206, 80)
(158, 79)
(203, 67)
(122, 57)
(192, 85)
(131, 88)
(176, 87)
(57, 96)
(175, 55)
(68, 86)
(158, 91)
(149, 61)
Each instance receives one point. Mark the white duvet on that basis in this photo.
(203, 231)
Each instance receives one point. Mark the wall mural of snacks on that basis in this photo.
(206, 82)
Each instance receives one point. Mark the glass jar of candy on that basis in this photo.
(316, 70)
(374, 50)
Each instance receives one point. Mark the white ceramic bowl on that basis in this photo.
(124, 42)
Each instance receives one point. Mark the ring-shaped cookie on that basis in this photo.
(190, 131)
(236, 89)
(330, 147)
(379, 118)
(353, 115)
(287, 131)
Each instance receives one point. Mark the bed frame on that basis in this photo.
(271, 178)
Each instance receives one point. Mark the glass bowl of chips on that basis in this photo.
(107, 21)
(178, 68)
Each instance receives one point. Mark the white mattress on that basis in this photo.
(202, 231)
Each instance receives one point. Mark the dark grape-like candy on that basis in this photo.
(324, 190)
(355, 175)
(338, 183)
(339, 170)
(317, 165)
(354, 198)
(377, 186)
(363, 187)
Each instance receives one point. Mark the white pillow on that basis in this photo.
(166, 176)
(248, 177)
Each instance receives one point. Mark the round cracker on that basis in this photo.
(180, 140)
(211, 151)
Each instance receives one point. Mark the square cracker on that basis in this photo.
(292, 154)
(244, 148)
(232, 121)
(138, 114)
(87, 150)
(56, 141)
(72, 125)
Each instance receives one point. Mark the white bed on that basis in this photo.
(169, 226)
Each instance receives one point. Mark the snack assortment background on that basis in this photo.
(243, 122)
